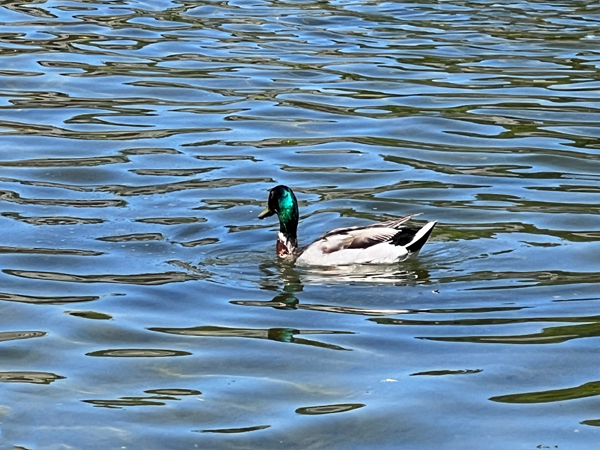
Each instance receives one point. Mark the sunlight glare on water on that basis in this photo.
(142, 301)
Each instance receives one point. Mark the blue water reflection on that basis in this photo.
(143, 305)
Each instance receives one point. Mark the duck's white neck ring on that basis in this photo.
(285, 245)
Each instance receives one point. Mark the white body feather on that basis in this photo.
(383, 253)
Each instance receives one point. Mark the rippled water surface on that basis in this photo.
(142, 303)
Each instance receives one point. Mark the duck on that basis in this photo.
(378, 243)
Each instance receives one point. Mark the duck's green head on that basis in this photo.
(282, 202)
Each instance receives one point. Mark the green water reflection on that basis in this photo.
(138, 141)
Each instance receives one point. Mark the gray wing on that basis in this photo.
(394, 224)
(363, 237)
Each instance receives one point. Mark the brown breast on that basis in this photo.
(282, 250)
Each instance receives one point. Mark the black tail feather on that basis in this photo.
(404, 236)
(417, 245)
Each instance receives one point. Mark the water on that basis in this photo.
(141, 300)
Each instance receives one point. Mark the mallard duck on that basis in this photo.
(378, 243)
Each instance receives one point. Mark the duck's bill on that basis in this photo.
(266, 213)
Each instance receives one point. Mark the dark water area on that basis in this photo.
(142, 303)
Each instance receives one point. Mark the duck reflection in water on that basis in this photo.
(294, 279)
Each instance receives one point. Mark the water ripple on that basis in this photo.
(13, 335)
(139, 142)
(29, 377)
(141, 279)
